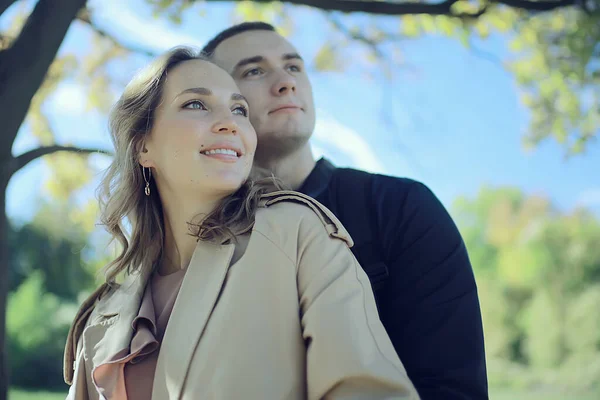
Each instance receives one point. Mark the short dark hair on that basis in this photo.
(211, 46)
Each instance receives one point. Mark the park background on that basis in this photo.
(495, 105)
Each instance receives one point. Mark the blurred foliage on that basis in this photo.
(50, 273)
(538, 271)
(70, 172)
(555, 60)
(559, 69)
(36, 334)
(62, 68)
(55, 260)
(55, 248)
(95, 74)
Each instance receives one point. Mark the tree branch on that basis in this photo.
(357, 36)
(393, 8)
(537, 5)
(27, 157)
(485, 55)
(84, 17)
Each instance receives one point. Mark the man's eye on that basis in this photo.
(294, 68)
(252, 72)
(194, 105)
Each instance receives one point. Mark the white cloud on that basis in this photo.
(332, 134)
(589, 198)
(150, 33)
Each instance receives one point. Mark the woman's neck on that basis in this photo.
(179, 242)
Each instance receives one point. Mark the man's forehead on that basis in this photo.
(248, 44)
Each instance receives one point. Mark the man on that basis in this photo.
(405, 239)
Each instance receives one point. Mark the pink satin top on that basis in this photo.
(134, 371)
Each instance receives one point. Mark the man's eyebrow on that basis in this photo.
(292, 56)
(197, 90)
(257, 59)
(238, 97)
(249, 60)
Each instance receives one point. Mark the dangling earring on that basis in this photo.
(147, 188)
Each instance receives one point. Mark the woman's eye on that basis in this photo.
(195, 105)
(240, 110)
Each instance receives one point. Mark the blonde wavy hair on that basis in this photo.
(121, 194)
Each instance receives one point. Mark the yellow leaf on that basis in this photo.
(70, 172)
(482, 29)
(428, 23)
(326, 59)
(85, 216)
(446, 25)
(464, 7)
(409, 26)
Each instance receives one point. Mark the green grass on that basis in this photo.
(23, 395)
(494, 395)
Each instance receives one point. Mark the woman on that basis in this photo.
(262, 296)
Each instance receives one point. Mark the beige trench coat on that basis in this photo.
(293, 318)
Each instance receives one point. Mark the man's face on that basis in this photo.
(271, 75)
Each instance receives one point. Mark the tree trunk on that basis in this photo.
(4, 257)
(23, 68)
(24, 65)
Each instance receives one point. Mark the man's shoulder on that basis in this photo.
(382, 185)
(397, 203)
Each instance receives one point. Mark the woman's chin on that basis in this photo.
(226, 183)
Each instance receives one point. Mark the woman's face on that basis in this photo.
(202, 142)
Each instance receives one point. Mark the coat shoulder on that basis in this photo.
(295, 206)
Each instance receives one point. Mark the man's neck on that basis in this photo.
(292, 169)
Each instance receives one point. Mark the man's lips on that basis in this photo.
(286, 108)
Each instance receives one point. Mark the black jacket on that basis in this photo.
(428, 302)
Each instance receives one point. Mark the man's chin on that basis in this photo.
(273, 146)
(284, 132)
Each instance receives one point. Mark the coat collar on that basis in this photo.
(197, 297)
(110, 331)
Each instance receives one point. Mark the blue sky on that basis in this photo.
(452, 119)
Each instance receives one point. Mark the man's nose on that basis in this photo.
(285, 84)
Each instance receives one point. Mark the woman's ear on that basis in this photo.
(144, 155)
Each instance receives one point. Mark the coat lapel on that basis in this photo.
(197, 297)
(110, 331)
